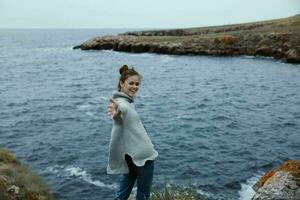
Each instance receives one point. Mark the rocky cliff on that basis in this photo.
(279, 39)
(17, 182)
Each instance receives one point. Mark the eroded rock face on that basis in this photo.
(281, 183)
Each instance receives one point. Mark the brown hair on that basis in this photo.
(126, 72)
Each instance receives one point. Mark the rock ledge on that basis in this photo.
(280, 183)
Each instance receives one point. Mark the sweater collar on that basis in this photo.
(118, 94)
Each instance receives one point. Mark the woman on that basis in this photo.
(131, 152)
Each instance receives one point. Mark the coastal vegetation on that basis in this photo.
(278, 38)
(18, 182)
(175, 193)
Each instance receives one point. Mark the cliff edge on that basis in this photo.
(17, 182)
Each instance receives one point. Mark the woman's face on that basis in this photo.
(130, 85)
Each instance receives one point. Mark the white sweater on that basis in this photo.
(128, 136)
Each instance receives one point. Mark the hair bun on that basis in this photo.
(123, 69)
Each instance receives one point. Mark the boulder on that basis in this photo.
(280, 183)
(292, 56)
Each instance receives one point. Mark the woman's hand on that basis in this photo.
(112, 108)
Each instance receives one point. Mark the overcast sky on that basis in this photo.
(139, 13)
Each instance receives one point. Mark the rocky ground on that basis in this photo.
(18, 182)
(279, 39)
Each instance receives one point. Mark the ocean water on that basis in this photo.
(218, 123)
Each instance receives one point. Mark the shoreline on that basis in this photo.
(279, 39)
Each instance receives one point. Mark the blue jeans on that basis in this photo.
(144, 177)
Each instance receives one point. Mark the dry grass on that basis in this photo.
(7, 157)
(284, 25)
(292, 23)
(12, 173)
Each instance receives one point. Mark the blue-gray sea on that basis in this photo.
(218, 123)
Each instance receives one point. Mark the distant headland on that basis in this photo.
(279, 38)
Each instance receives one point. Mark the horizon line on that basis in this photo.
(188, 27)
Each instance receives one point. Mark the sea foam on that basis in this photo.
(246, 192)
(78, 172)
